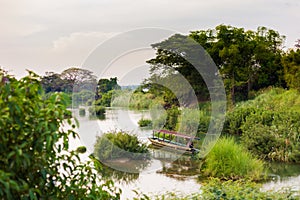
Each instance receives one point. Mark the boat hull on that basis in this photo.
(160, 143)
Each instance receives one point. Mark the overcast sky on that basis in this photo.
(44, 35)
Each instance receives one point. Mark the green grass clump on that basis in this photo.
(145, 122)
(229, 160)
(97, 111)
(114, 145)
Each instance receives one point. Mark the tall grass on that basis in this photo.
(229, 160)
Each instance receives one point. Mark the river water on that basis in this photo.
(165, 171)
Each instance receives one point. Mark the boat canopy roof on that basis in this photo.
(177, 134)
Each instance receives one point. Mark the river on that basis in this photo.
(164, 172)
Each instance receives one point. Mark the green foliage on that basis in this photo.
(105, 91)
(106, 85)
(140, 100)
(269, 125)
(229, 160)
(121, 98)
(82, 112)
(145, 122)
(228, 190)
(35, 159)
(246, 59)
(273, 135)
(172, 118)
(105, 99)
(291, 63)
(119, 145)
(135, 100)
(66, 96)
(216, 189)
(82, 97)
(97, 111)
(70, 80)
(194, 119)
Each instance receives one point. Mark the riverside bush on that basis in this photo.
(269, 125)
(145, 122)
(273, 135)
(229, 160)
(120, 144)
(97, 111)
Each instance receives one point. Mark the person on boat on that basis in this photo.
(191, 145)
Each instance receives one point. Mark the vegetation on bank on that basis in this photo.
(97, 111)
(226, 190)
(216, 189)
(35, 159)
(269, 125)
(114, 145)
(228, 160)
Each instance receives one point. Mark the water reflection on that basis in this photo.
(283, 171)
(123, 176)
(175, 165)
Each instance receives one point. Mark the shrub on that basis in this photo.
(269, 125)
(82, 112)
(97, 111)
(229, 160)
(35, 159)
(273, 135)
(145, 122)
(119, 145)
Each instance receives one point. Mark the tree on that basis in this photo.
(79, 79)
(106, 85)
(70, 80)
(175, 62)
(245, 58)
(35, 159)
(52, 82)
(104, 91)
(291, 63)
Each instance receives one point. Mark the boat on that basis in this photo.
(174, 141)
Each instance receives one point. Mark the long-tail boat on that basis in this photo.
(174, 141)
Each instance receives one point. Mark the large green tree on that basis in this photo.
(35, 159)
(70, 80)
(246, 59)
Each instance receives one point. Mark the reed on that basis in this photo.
(229, 160)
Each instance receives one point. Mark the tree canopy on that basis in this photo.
(247, 60)
(71, 79)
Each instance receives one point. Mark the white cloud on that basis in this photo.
(80, 41)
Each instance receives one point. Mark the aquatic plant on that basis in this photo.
(114, 145)
(145, 122)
